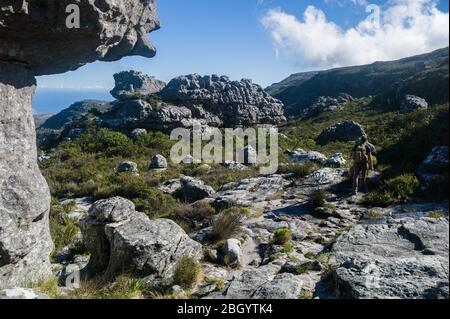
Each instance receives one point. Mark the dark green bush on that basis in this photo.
(281, 236)
(186, 273)
(318, 198)
(298, 170)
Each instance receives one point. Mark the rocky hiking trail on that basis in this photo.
(342, 250)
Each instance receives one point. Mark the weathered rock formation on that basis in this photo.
(412, 103)
(343, 132)
(121, 239)
(133, 84)
(35, 40)
(223, 102)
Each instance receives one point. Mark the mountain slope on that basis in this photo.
(426, 75)
(74, 112)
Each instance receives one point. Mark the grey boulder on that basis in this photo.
(149, 249)
(193, 190)
(412, 103)
(134, 84)
(158, 162)
(342, 132)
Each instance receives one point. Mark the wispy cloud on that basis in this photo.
(407, 27)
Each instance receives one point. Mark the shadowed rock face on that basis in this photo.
(34, 40)
(34, 33)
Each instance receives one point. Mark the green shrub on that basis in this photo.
(187, 273)
(298, 170)
(191, 217)
(318, 198)
(227, 224)
(107, 142)
(63, 229)
(281, 236)
(403, 186)
(393, 191)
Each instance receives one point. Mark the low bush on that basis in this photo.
(393, 191)
(281, 236)
(318, 198)
(63, 229)
(187, 273)
(227, 224)
(298, 170)
(192, 217)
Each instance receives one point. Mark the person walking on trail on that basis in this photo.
(362, 163)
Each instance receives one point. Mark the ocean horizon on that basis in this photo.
(52, 101)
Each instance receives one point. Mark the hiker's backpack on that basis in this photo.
(360, 155)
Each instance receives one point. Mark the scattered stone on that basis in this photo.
(127, 167)
(136, 133)
(412, 103)
(193, 190)
(231, 253)
(232, 165)
(301, 156)
(21, 293)
(435, 163)
(343, 132)
(158, 162)
(336, 160)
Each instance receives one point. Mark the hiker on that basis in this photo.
(362, 163)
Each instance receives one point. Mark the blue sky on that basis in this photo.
(267, 40)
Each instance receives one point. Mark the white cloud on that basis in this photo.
(407, 27)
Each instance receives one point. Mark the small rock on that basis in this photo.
(138, 132)
(193, 190)
(412, 103)
(336, 160)
(231, 253)
(127, 167)
(21, 293)
(158, 162)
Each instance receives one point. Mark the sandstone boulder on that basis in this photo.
(127, 241)
(158, 162)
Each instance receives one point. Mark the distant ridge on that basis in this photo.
(425, 75)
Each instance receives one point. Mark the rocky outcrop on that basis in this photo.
(193, 190)
(134, 84)
(123, 240)
(21, 294)
(343, 132)
(412, 103)
(35, 40)
(329, 103)
(139, 113)
(436, 162)
(25, 242)
(35, 34)
(406, 258)
(222, 102)
(301, 156)
(75, 112)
